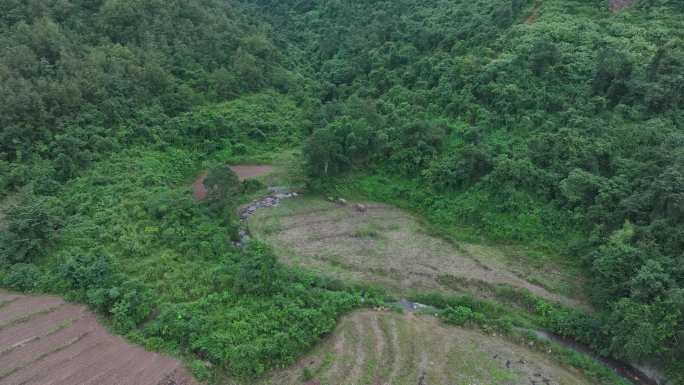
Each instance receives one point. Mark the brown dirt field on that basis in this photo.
(619, 5)
(7, 297)
(251, 171)
(243, 172)
(385, 246)
(24, 307)
(49, 342)
(423, 349)
(199, 192)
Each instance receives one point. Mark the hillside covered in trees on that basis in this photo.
(553, 124)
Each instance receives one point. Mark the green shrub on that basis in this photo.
(307, 375)
(251, 186)
(22, 277)
(31, 230)
(200, 370)
(461, 315)
(258, 273)
(133, 304)
(85, 271)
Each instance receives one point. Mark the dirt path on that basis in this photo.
(45, 341)
(534, 14)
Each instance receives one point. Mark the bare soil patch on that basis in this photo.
(251, 171)
(49, 342)
(199, 191)
(619, 5)
(534, 15)
(426, 351)
(383, 245)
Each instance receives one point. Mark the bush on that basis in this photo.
(31, 229)
(22, 277)
(251, 186)
(200, 370)
(461, 315)
(258, 273)
(82, 272)
(133, 304)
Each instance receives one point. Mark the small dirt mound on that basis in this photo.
(45, 341)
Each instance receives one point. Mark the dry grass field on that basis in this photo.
(387, 246)
(381, 348)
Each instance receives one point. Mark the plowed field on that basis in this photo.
(44, 341)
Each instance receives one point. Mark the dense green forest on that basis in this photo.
(550, 123)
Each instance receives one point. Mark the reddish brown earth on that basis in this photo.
(534, 15)
(243, 172)
(45, 341)
(619, 5)
(199, 192)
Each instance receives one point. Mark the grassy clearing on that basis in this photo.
(389, 247)
(534, 248)
(415, 347)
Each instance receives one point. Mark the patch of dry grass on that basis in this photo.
(389, 247)
(375, 347)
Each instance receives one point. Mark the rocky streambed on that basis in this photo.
(272, 199)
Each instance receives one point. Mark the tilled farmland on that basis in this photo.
(44, 340)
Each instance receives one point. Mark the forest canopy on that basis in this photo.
(554, 124)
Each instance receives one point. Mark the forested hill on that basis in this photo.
(556, 123)
(553, 124)
(73, 73)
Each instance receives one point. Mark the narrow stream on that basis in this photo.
(622, 369)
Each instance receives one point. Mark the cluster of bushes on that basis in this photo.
(127, 238)
(267, 320)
